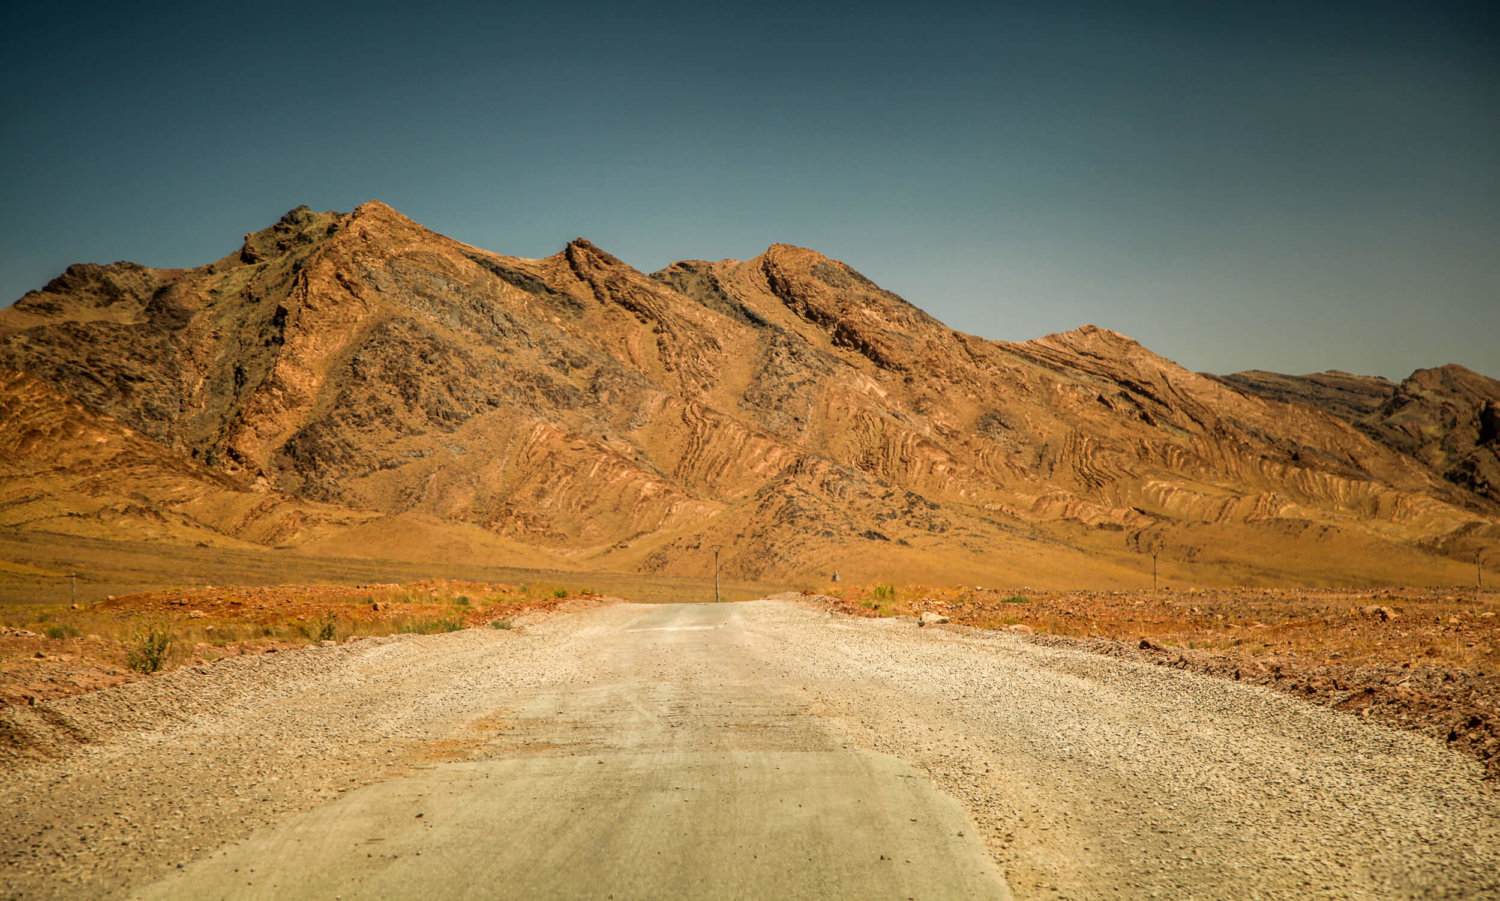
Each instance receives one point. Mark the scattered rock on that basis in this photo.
(928, 618)
(1376, 611)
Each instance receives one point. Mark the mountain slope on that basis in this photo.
(65, 468)
(783, 409)
(1447, 417)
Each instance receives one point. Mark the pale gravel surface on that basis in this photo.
(1086, 776)
(1096, 777)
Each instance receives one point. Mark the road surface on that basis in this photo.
(762, 750)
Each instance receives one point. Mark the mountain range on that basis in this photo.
(358, 385)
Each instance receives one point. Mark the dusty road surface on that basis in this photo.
(760, 750)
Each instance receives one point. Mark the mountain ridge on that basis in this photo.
(784, 408)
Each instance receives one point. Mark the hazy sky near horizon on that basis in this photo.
(1282, 186)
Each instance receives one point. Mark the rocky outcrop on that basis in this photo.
(68, 469)
(1448, 418)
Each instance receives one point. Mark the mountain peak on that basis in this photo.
(583, 252)
(781, 248)
(377, 211)
(793, 255)
(1088, 338)
(372, 207)
(299, 226)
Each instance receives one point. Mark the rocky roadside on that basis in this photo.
(1459, 707)
(100, 790)
(1091, 776)
(90, 646)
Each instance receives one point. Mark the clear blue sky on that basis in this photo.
(1260, 188)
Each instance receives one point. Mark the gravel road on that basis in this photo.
(1078, 776)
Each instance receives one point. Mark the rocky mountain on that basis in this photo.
(1447, 417)
(387, 381)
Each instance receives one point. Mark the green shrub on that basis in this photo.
(148, 652)
(61, 631)
(883, 592)
(1018, 599)
(325, 629)
(462, 599)
(502, 624)
(433, 626)
(560, 593)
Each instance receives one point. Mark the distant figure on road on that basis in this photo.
(835, 575)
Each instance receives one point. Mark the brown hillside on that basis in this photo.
(67, 469)
(1349, 397)
(1447, 417)
(784, 409)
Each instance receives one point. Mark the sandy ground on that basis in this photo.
(1082, 775)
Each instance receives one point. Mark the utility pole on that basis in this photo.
(73, 588)
(716, 575)
(1478, 573)
(1154, 555)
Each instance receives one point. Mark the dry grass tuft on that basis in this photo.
(48, 652)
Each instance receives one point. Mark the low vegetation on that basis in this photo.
(1417, 627)
(55, 650)
(148, 649)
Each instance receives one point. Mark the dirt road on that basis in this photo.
(748, 750)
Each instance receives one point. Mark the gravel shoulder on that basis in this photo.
(1085, 776)
(1090, 776)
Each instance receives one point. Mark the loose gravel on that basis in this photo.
(153, 774)
(1086, 776)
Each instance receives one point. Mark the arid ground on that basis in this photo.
(769, 749)
(452, 734)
